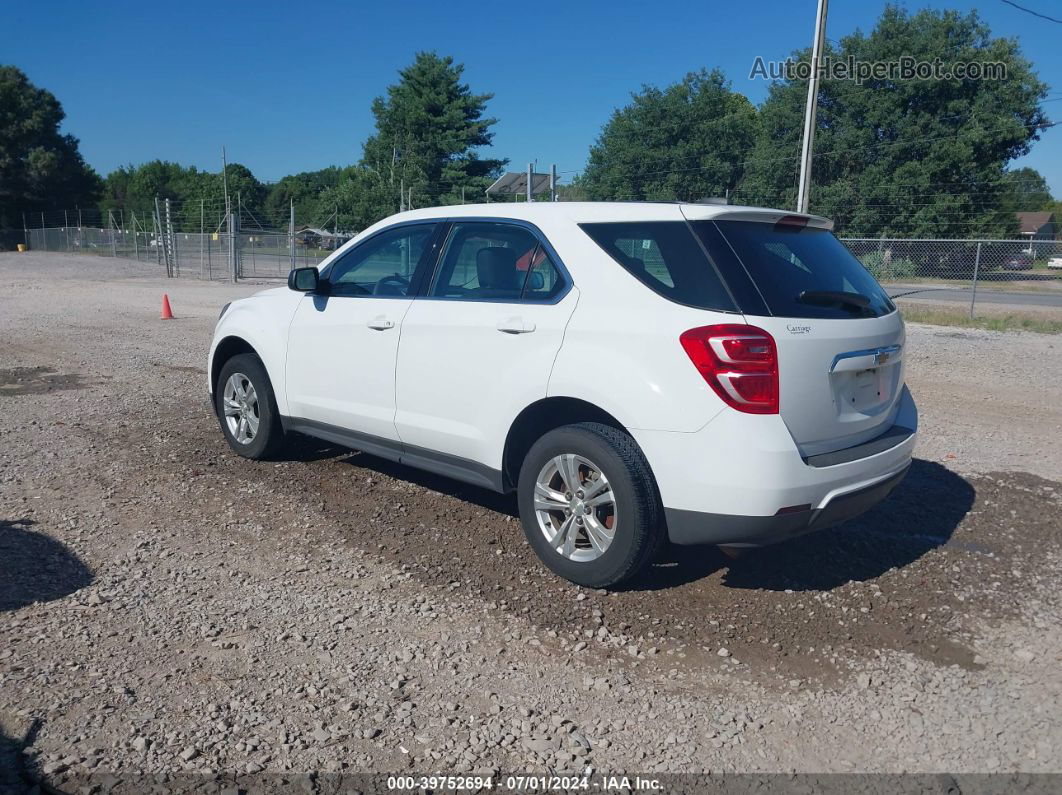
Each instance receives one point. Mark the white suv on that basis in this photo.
(702, 373)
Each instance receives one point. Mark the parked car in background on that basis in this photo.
(635, 372)
(1019, 262)
(1055, 262)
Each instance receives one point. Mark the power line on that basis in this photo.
(1034, 13)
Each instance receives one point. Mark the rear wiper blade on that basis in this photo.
(858, 300)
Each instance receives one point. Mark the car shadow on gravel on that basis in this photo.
(13, 776)
(485, 498)
(920, 515)
(35, 567)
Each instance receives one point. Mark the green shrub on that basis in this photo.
(882, 270)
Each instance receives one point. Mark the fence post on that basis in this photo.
(111, 229)
(156, 230)
(171, 240)
(136, 241)
(977, 267)
(202, 235)
(25, 232)
(209, 254)
(291, 235)
(234, 268)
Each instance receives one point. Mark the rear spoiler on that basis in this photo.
(755, 214)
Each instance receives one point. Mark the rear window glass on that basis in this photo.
(796, 269)
(664, 256)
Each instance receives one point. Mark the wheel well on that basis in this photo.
(227, 348)
(540, 418)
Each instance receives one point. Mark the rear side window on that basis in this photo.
(797, 269)
(666, 257)
(495, 262)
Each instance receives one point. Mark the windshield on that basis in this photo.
(800, 271)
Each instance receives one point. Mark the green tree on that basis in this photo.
(361, 199)
(905, 157)
(40, 168)
(304, 190)
(1025, 189)
(684, 142)
(190, 191)
(428, 130)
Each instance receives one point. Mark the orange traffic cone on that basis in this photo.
(167, 314)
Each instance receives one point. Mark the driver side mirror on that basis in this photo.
(304, 280)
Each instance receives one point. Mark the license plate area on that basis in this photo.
(863, 391)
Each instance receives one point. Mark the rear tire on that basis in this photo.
(247, 409)
(589, 504)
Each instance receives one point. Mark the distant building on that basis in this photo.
(313, 237)
(1038, 226)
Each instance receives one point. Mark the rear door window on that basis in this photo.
(797, 268)
(665, 257)
(485, 261)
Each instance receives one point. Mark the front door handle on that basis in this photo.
(380, 323)
(515, 325)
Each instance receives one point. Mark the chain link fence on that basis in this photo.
(192, 240)
(181, 240)
(1021, 262)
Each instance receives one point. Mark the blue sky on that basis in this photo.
(287, 87)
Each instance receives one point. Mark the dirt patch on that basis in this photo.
(891, 579)
(36, 381)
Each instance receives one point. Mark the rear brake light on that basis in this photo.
(739, 362)
(798, 221)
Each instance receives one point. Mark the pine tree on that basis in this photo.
(428, 128)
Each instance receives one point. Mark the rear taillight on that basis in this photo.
(739, 362)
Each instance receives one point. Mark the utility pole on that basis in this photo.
(807, 150)
(553, 182)
(401, 195)
(530, 177)
(225, 180)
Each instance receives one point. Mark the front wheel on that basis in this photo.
(589, 504)
(246, 408)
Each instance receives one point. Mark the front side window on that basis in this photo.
(383, 265)
(666, 257)
(495, 262)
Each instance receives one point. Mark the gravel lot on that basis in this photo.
(167, 607)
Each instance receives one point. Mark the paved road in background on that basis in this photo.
(934, 293)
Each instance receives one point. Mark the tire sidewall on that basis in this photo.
(251, 367)
(616, 560)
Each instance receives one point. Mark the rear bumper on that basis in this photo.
(738, 480)
(694, 527)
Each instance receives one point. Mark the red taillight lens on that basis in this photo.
(739, 362)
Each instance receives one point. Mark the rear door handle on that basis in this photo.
(380, 323)
(515, 325)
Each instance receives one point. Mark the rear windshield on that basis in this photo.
(665, 256)
(799, 270)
